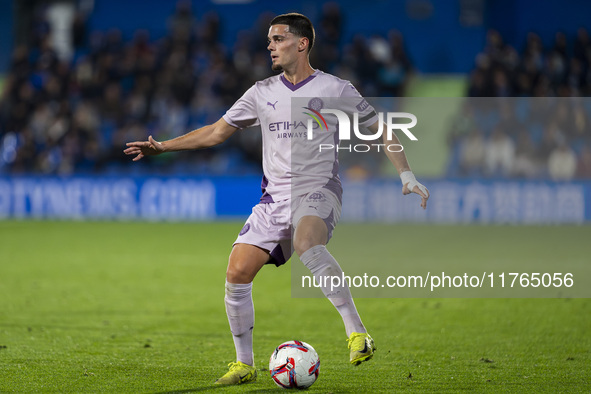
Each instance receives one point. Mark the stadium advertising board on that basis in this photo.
(375, 200)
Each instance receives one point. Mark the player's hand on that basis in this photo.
(411, 185)
(150, 147)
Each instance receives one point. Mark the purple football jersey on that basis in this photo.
(293, 165)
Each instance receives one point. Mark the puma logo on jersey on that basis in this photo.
(272, 105)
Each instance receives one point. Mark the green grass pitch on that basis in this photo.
(138, 307)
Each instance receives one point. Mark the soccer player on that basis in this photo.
(301, 187)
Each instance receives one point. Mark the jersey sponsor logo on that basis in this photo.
(299, 134)
(289, 130)
(287, 125)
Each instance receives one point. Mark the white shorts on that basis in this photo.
(270, 225)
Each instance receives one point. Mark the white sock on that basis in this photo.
(240, 311)
(321, 263)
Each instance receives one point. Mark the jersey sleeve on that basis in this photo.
(367, 114)
(244, 111)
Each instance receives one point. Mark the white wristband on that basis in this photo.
(406, 177)
(409, 179)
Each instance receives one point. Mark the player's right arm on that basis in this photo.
(203, 137)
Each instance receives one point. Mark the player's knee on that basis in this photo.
(238, 273)
(311, 231)
(302, 243)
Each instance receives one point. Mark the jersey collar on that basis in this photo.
(298, 85)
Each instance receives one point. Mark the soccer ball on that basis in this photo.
(294, 364)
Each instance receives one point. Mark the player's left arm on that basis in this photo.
(399, 160)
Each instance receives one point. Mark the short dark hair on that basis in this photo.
(299, 25)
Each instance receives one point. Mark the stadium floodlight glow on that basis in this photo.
(344, 128)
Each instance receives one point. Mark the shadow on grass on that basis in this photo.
(214, 387)
(195, 390)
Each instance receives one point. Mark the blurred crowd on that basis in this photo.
(522, 138)
(542, 126)
(60, 116)
(562, 69)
